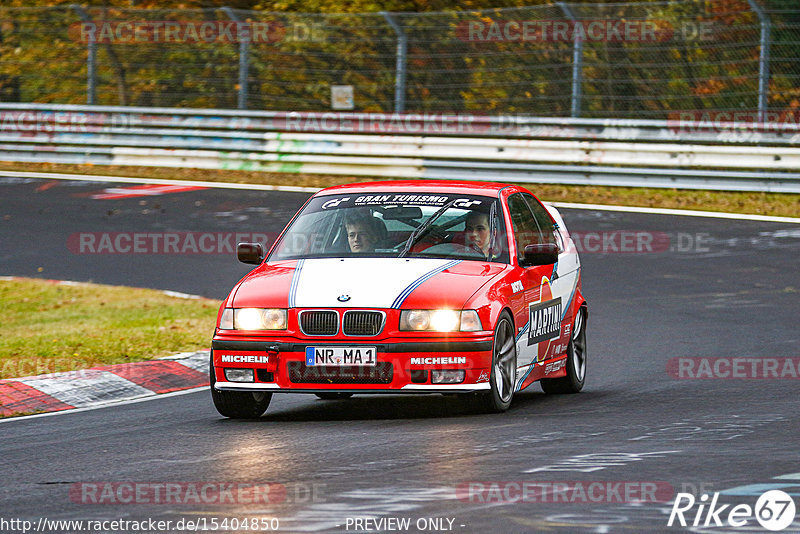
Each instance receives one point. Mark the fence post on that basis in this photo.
(577, 63)
(400, 68)
(244, 58)
(763, 60)
(91, 61)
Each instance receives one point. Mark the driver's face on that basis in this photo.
(477, 229)
(360, 238)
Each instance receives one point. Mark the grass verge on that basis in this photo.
(776, 204)
(50, 327)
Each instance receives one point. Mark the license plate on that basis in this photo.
(340, 356)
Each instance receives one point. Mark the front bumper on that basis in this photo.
(414, 389)
(402, 367)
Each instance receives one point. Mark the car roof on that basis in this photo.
(418, 186)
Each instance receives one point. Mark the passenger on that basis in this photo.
(363, 232)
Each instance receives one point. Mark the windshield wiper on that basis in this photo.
(420, 230)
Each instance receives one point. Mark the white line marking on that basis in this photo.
(180, 295)
(667, 211)
(167, 292)
(52, 281)
(124, 180)
(105, 405)
(299, 189)
(790, 476)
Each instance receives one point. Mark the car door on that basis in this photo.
(539, 320)
(563, 278)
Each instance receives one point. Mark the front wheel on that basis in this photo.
(576, 361)
(504, 368)
(237, 404)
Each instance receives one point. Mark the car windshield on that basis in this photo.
(416, 225)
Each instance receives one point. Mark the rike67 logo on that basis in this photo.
(774, 510)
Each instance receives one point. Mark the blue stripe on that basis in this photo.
(530, 367)
(419, 281)
(522, 380)
(525, 329)
(295, 282)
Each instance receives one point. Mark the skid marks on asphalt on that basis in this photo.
(709, 428)
(484, 447)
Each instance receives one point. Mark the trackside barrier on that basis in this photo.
(639, 153)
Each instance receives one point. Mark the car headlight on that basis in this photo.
(253, 319)
(440, 320)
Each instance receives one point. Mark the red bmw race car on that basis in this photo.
(405, 287)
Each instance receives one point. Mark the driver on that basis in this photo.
(477, 231)
(362, 232)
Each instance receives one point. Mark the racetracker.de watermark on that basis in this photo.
(639, 242)
(588, 30)
(411, 123)
(601, 30)
(694, 121)
(162, 242)
(568, 492)
(206, 493)
(12, 366)
(733, 368)
(171, 31)
(48, 121)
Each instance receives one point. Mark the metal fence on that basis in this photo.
(622, 60)
(622, 152)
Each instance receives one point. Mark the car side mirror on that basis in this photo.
(541, 254)
(252, 253)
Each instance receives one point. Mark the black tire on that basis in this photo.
(504, 368)
(576, 360)
(237, 404)
(333, 396)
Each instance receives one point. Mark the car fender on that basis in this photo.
(492, 298)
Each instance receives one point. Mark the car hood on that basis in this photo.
(364, 283)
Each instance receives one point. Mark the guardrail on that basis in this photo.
(645, 153)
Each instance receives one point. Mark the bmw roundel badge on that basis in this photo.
(343, 298)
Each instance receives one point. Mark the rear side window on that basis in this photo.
(542, 218)
(526, 229)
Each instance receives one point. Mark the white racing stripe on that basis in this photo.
(369, 282)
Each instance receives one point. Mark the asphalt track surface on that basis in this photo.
(735, 293)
